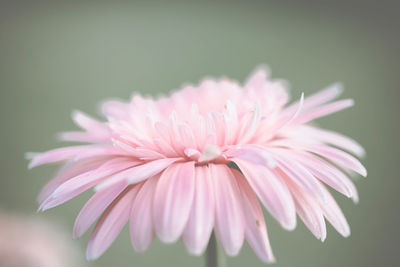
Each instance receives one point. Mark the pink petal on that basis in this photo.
(137, 152)
(231, 121)
(229, 221)
(67, 172)
(84, 181)
(187, 136)
(322, 111)
(353, 189)
(88, 123)
(326, 173)
(94, 207)
(139, 173)
(164, 147)
(272, 192)
(115, 109)
(319, 98)
(173, 200)
(211, 136)
(256, 229)
(308, 210)
(299, 174)
(250, 123)
(335, 216)
(193, 154)
(110, 224)
(201, 219)
(290, 116)
(175, 138)
(252, 154)
(96, 131)
(69, 153)
(220, 127)
(164, 141)
(141, 222)
(341, 158)
(257, 78)
(333, 138)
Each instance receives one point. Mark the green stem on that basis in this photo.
(215, 257)
(211, 252)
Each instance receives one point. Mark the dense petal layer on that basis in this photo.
(139, 173)
(111, 223)
(67, 172)
(95, 207)
(84, 181)
(272, 192)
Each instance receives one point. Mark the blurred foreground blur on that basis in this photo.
(33, 242)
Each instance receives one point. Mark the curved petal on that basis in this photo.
(229, 221)
(322, 111)
(334, 215)
(88, 123)
(253, 154)
(141, 222)
(333, 138)
(83, 182)
(250, 123)
(299, 174)
(327, 174)
(339, 157)
(201, 219)
(255, 229)
(308, 209)
(138, 173)
(94, 207)
(71, 153)
(111, 223)
(67, 172)
(173, 201)
(318, 98)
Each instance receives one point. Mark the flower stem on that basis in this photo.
(214, 257)
(211, 252)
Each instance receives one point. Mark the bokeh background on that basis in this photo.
(59, 56)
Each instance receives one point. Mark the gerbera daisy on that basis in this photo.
(201, 159)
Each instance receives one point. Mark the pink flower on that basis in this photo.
(202, 158)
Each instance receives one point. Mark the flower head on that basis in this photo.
(201, 159)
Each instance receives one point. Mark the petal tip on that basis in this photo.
(32, 157)
(289, 225)
(92, 253)
(76, 232)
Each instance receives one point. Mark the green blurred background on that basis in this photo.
(59, 56)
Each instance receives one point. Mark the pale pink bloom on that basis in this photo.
(170, 166)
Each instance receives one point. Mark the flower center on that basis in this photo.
(211, 153)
